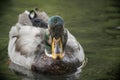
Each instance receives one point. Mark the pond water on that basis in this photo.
(95, 24)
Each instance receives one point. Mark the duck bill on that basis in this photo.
(57, 49)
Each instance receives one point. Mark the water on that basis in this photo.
(95, 24)
(26, 74)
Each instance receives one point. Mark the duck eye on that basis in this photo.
(32, 14)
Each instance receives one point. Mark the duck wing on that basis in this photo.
(75, 46)
(24, 41)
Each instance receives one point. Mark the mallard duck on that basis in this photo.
(53, 50)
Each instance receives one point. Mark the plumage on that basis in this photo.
(27, 46)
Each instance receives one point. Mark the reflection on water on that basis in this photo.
(26, 74)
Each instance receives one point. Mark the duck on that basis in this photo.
(51, 50)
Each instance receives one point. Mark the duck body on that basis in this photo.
(27, 49)
(72, 61)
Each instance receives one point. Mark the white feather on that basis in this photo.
(28, 40)
(78, 50)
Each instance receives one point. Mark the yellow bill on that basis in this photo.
(57, 49)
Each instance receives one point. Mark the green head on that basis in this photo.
(56, 29)
(56, 26)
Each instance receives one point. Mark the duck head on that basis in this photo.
(56, 30)
(36, 20)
